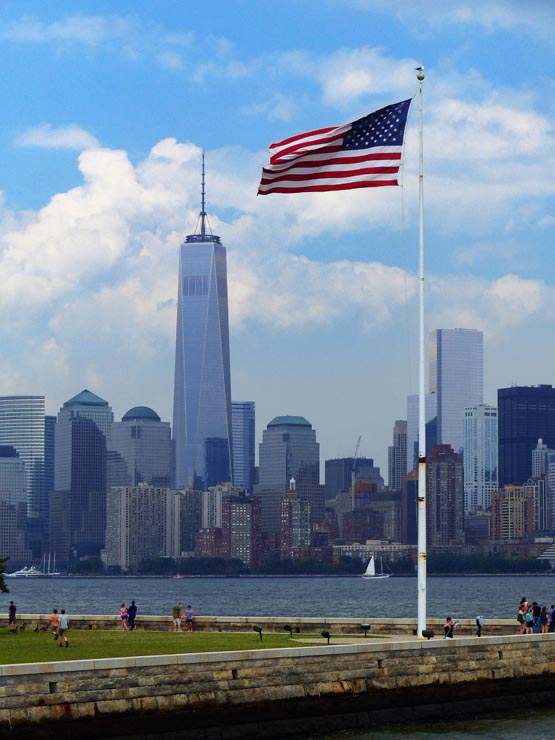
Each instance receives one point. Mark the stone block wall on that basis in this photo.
(337, 626)
(274, 692)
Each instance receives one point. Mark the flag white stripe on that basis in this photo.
(328, 182)
(320, 139)
(334, 168)
(315, 159)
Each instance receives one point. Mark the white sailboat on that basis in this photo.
(370, 571)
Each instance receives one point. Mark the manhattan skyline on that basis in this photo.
(105, 119)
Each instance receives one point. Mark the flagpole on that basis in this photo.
(421, 625)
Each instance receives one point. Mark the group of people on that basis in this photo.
(450, 625)
(127, 615)
(178, 612)
(535, 619)
(59, 621)
(59, 625)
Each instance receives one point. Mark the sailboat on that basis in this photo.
(370, 571)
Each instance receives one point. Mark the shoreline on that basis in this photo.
(278, 575)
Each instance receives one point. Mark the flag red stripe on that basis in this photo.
(302, 149)
(317, 175)
(276, 159)
(308, 161)
(325, 188)
(297, 137)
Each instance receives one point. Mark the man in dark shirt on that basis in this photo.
(131, 614)
(12, 620)
(536, 611)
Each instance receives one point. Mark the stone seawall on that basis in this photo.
(268, 693)
(337, 626)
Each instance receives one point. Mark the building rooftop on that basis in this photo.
(86, 398)
(140, 413)
(296, 421)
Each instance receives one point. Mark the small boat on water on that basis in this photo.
(370, 571)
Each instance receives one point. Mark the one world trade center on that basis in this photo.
(202, 390)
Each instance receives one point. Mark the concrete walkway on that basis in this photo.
(355, 640)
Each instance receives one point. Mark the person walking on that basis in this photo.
(544, 620)
(536, 611)
(131, 614)
(63, 628)
(54, 623)
(189, 614)
(480, 621)
(124, 616)
(176, 616)
(12, 617)
(521, 615)
(529, 621)
(551, 615)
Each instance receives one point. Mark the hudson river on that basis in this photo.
(490, 596)
(536, 724)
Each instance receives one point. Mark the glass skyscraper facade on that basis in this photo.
(78, 503)
(456, 376)
(289, 450)
(22, 426)
(144, 443)
(526, 413)
(202, 429)
(397, 456)
(243, 428)
(412, 427)
(480, 457)
(13, 485)
(13, 508)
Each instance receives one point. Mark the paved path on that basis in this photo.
(354, 640)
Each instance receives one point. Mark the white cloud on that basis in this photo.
(127, 36)
(278, 107)
(229, 70)
(63, 137)
(82, 29)
(496, 306)
(170, 60)
(536, 17)
(347, 75)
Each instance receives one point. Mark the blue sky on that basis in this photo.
(106, 107)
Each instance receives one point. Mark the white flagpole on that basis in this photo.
(421, 384)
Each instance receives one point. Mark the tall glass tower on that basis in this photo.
(456, 365)
(480, 457)
(22, 426)
(78, 502)
(243, 429)
(202, 389)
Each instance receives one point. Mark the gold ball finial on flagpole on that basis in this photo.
(419, 73)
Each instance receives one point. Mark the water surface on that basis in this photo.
(491, 596)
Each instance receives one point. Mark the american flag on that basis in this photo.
(363, 154)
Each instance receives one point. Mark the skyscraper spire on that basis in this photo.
(203, 202)
(204, 234)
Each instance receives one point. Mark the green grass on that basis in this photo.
(39, 647)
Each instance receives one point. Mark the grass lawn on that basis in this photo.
(38, 647)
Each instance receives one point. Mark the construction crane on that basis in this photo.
(353, 473)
